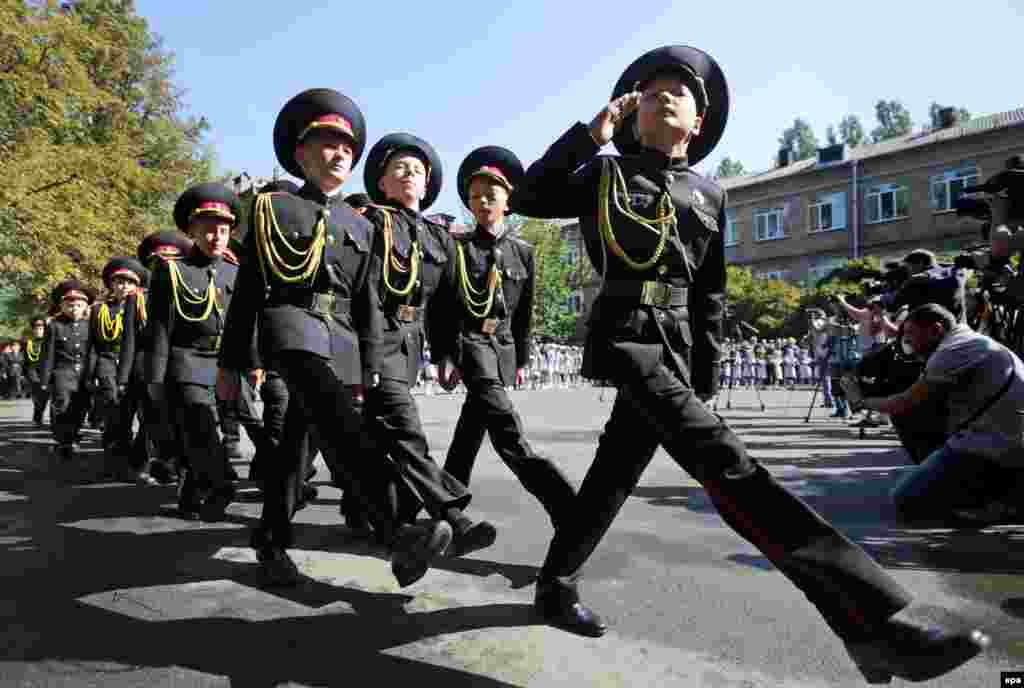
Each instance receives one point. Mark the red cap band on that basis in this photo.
(491, 171)
(331, 121)
(125, 272)
(73, 295)
(214, 207)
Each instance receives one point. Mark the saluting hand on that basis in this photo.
(610, 118)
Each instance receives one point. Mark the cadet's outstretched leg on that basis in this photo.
(467, 439)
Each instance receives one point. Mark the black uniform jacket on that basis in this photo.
(134, 341)
(32, 367)
(283, 317)
(625, 338)
(496, 356)
(401, 343)
(181, 349)
(99, 348)
(67, 348)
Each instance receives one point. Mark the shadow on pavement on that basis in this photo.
(65, 545)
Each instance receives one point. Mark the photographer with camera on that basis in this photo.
(981, 462)
(874, 331)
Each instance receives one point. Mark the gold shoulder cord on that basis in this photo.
(140, 307)
(478, 302)
(33, 356)
(110, 328)
(182, 291)
(306, 263)
(392, 262)
(612, 186)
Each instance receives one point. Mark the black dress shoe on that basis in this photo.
(560, 606)
(913, 652)
(416, 547)
(357, 523)
(215, 506)
(278, 568)
(480, 535)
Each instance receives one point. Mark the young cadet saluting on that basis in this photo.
(63, 371)
(305, 281)
(653, 228)
(187, 305)
(495, 275)
(414, 261)
(122, 276)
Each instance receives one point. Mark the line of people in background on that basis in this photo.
(550, 366)
(767, 364)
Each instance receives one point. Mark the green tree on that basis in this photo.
(765, 304)
(962, 114)
(729, 168)
(800, 139)
(893, 120)
(93, 149)
(851, 130)
(554, 275)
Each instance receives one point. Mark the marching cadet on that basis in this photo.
(653, 228)
(414, 263)
(156, 449)
(494, 306)
(305, 278)
(15, 367)
(33, 357)
(187, 305)
(122, 276)
(65, 358)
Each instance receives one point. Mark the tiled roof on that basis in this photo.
(976, 125)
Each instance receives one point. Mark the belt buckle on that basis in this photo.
(324, 303)
(489, 325)
(654, 294)
(407, 313)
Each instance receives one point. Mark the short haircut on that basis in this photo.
(921, 257)
(931, 313)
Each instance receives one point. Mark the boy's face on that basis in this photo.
(75, 309)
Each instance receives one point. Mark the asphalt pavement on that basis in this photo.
(101, 586)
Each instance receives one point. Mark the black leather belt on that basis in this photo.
(327, 303)
(647, 293)
(209, 343)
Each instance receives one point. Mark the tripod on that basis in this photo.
(738, 334)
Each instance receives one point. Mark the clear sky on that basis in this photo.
(462, 75)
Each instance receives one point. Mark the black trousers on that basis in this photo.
(202, 452)
(850, 590)
(397, 432)
(274, 394)
(488, 409)
(117, 411)
(319, 399)
(69, 404)
(40, 398)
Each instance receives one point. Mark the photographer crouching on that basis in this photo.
(978, 472)
(875, 330)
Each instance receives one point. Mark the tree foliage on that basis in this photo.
(764, 304)
(893, 120)
(934, 116)
(851, 131)
(555, 275)
(800, 139)
(93, 149)
(729, 168)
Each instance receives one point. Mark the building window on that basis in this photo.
(947, 187)
(769, 224)
(828, 214)
(732, 237)
(886, 202)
